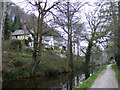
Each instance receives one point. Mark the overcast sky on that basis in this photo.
(85, 8)
(22, 4)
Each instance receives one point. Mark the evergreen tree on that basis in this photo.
(16, 23)
(7, 29)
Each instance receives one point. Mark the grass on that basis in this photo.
(88, 83)
(117, 71)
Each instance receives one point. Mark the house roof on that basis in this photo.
(20, 32)
(51, 32)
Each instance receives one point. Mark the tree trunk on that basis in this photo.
(68, 44)
(87, 58)
(77, 53)
(71, 64)
(68, 50)
(117, 54)
(35, 54)
(70, 54)
(117, 38)
(38, 43)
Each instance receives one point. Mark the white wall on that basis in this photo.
(21, 37)
(48, 40)
(77, 49)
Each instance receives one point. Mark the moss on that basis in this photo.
(88, 83)
(117, 71)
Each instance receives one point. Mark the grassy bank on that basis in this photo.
(117, 71)
(88, 83)
(17, 65)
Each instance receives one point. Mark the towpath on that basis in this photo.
(106, 79)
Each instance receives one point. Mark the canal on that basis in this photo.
(66, 81)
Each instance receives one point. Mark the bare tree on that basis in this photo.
(96, 33)
(42, 9)
(67, 19)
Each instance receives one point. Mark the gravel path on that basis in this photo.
(106, 79)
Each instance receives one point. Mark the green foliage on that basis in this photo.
(11, 26)
(7, 28)
(18, 63)
(88, 83)
(17, 74)
(29, 39)
(6, 45)
(26, 42)
(53, 72)
(50, 48)
(117, 58)
(117, 71)
(17, 23)
(52, 63)
(56, 48)
(16, 44)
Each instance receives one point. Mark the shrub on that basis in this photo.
(6, 45)
(26, 42)
(56, 48)
(53, 72)
(16, 44)
(117, 71)
(18, 63)
(49, 48)
(29, 39)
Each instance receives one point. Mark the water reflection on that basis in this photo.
(65, 81)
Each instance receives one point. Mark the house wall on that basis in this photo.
(48, 41)
(77, 49)
(21, 37)
(31, 44)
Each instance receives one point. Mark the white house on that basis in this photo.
(48, 41)
(78, 50)
(60, 42)
(21, 34)
(51, 39)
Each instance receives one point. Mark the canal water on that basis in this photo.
(67, 81)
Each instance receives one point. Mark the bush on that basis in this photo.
(53, 72)
(26, 42)
(117, 71)
(56, 48)
(16, 45)
(16, 74)
(49, 48)
(18, 63)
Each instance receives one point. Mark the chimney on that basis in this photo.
(23, 27)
